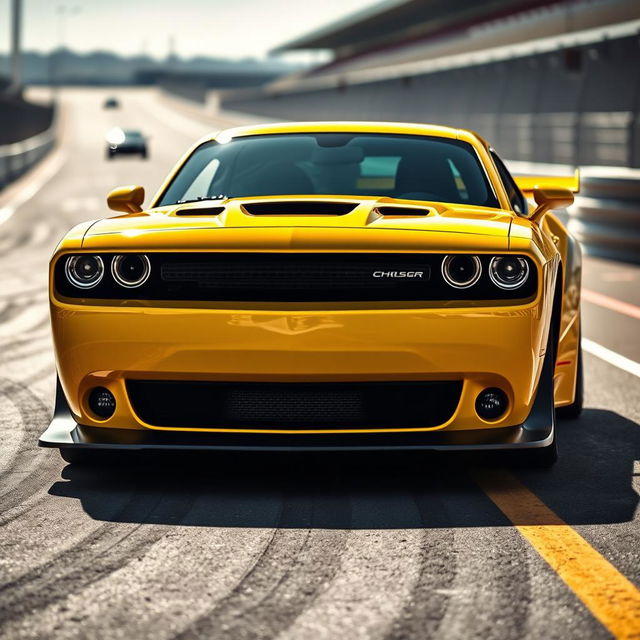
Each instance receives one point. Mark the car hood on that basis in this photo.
(305, 223)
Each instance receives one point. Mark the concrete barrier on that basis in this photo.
(605, 217)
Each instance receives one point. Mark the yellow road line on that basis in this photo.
(608, 595)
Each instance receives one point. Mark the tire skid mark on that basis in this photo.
(38, 521)
(378, 571)
(24, 507)
(34, 415)
(294, 568)
(22, 359)
(25, 294)
(179, 577)
(40, 374)
(491, 593)
(27, 354)
(110, 547)
(423, 613)
(35, 330)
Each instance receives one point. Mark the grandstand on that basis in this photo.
(545, 81)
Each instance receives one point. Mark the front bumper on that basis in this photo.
(483, 347)
(537, 431)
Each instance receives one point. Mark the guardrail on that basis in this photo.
(18, 157)
(605, 217)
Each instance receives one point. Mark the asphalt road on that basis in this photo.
(249, 547)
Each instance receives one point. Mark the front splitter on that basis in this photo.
(63, 432)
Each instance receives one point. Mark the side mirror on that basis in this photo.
(550, 198)
(128, 199)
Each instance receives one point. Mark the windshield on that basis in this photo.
(351, 164)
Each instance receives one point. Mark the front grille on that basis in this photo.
(279, 277)
(293, 406)
(295, 277)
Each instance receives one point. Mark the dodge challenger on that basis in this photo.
(320, 287)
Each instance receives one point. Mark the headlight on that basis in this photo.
(508, 272)
(130, 270)
(84, 271)
(461, 271)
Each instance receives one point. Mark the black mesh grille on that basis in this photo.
(241, 405)
(295, 277)
(287, 277)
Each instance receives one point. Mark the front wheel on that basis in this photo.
(573, 410)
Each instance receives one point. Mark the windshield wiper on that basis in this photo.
(220, 196)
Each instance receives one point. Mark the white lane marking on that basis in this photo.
(617, 360)
(34, 183)
(613, 304)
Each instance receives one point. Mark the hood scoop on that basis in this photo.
(403, 212)
(199, 211)
(299, 208)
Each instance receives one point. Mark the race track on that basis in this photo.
(251, 547)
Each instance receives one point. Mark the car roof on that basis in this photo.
(405, 128)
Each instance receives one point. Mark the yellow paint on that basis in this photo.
(548, 199)
(528, 184)
(482, 343)
(608, 595)
(128, 199)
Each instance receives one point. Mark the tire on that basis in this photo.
(573, 410)
(82, 457)
(143, 153)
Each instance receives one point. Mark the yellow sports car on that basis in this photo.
(321, 286)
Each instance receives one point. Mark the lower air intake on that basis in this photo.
(241, 405)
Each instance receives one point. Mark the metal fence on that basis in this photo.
(18, 157)
(578, 105)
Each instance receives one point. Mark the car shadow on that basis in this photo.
(591, 484)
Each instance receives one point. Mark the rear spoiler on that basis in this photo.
(527, 184)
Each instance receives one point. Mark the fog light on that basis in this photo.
(102, 402)
(491, 403)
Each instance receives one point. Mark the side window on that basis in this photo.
(518, 201)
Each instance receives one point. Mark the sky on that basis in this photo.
(220, 28)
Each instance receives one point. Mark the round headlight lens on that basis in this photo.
(461, 271)
(84, 271)
(508, 272)
(130, 270)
